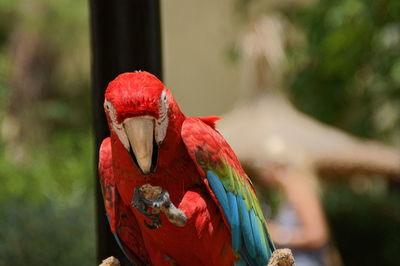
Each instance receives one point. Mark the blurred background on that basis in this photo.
(336, 61)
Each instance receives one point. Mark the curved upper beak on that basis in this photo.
(140, 133)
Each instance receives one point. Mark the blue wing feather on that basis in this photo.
(244, 254)
(245, 223)
(266, 251)
(232, 189)
(257, 239)
(219, 192)
(229, 206)
(234, 222)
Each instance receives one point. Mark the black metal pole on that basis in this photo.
(125, 36)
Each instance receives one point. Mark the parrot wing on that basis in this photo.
(120, 217)
(231, 189)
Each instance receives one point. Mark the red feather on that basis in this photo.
(205, 239)
(122, 221)
(210, 120)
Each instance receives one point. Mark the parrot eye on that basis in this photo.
(107, 105)
(164, 96)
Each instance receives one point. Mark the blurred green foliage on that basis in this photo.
(349, 77)
(364, 226)
(47, 209)
(46, 149)
(349, 74)
(47, 206)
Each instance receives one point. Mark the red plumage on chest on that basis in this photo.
(170, 244)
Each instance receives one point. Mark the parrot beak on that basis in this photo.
(143, 148)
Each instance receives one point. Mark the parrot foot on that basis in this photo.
(159, 201)
(141, 206)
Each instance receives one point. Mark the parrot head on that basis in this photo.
(139, 109)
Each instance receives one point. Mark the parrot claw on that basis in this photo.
(146, 196)
(161, 201)
(154, 224)
(141, 204)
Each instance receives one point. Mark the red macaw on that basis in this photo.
(217, 221)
